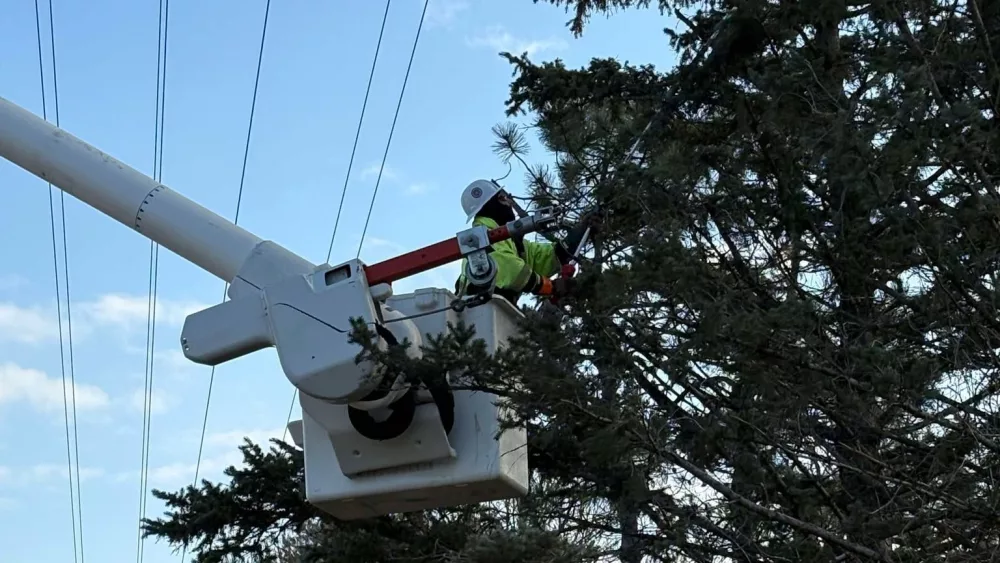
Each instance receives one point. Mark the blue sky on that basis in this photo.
(316, 64)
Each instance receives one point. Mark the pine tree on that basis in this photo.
(783, 345)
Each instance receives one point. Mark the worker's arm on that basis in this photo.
(513, 273)
(542, 261)
(545, 258)
(516, 274)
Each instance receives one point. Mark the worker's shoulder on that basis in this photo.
(505, 246)
(485, 222)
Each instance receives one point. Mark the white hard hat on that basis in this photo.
(476, 195)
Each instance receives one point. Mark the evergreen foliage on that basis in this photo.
(784, 344)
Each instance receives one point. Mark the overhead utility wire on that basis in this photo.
(154, 270)
(236, 221)
(347, 178)
(69, 402)
(399, 103)
(357, 134)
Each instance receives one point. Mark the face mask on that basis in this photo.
(498, 211)
(508, 213)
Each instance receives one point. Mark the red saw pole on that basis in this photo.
(423, 259)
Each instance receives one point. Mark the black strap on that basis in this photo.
(386, 384)
(519, 244)
(392, 427)
(403, 409)
(444, 400)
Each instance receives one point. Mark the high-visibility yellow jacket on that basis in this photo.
(515, 269)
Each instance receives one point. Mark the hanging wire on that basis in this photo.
(388, 143)
(154, 259)
(288, 419)
(357, 134)
(347, 178)
(154, 253)
(69, 397)
(450, 307)
(236, 221)
(154, 270)
(55, 267)
(69, 300)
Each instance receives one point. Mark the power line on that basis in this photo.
(154, 270)
(347, 178)
(388, 142)
(69, 301)
(154, 259)
(69, 402)
(236, 220)
(357, 134)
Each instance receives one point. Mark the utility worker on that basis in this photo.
(523, 266)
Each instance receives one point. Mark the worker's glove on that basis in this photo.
(592, 220)
(738, 38)
(562, 287)
(554, 289)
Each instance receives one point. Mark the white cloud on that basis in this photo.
(376, 249)
(33, 324)
(223, 452)
(169, 361)
(418, 189)
(128, 311)
(173, 362)
(372, 172)
(392, 175)
(47, 471)
(44, 473)
(161, 401)
(443, 13)
(27, 325)
(376, 242)
(180, 473)
(499, 39)
(44, 393)
(234, 438)
(173, 358)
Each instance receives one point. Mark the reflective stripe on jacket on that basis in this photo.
(514, 269)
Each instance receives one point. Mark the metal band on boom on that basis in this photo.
(123, 193)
